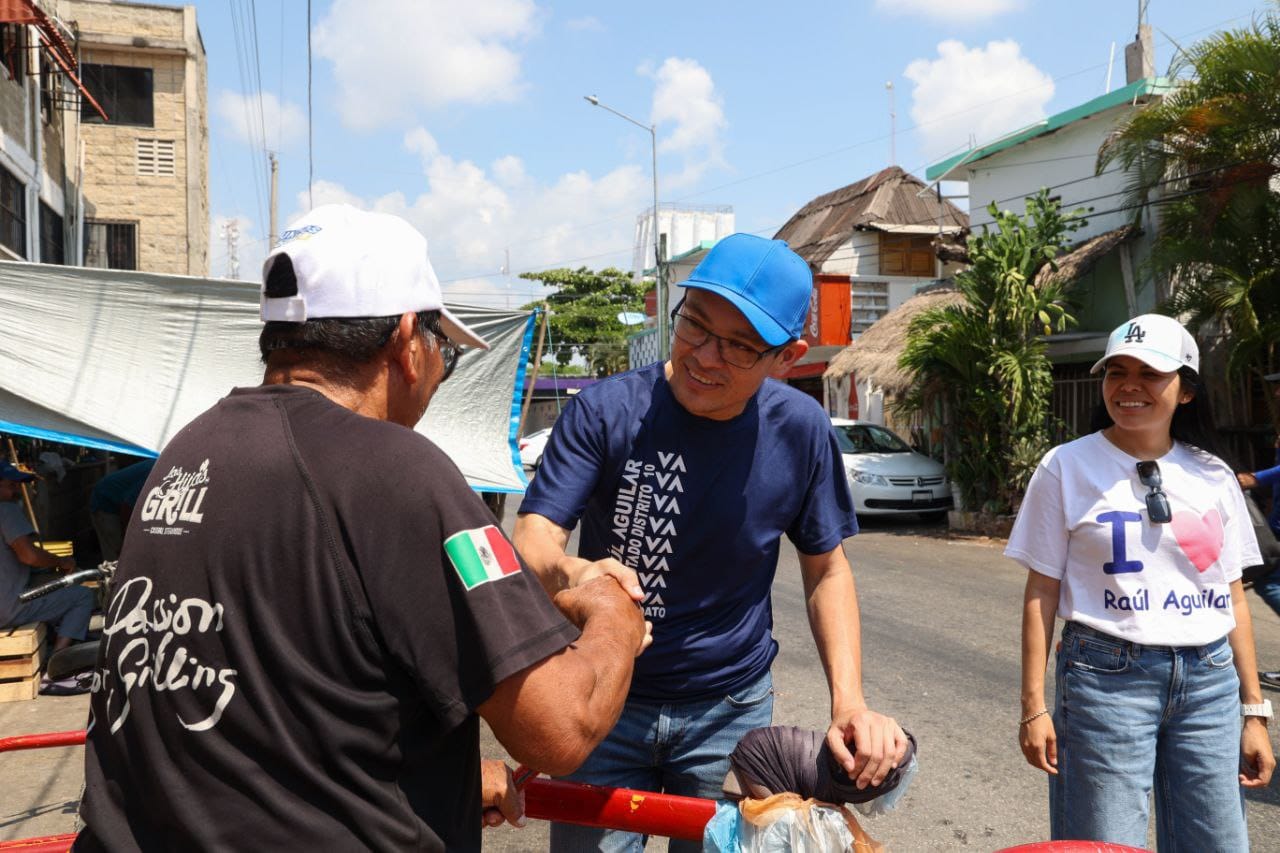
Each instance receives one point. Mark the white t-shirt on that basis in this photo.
(1084, 521)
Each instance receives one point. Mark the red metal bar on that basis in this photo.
(1072, 847)
(48, 844)
(41, 741)
(618, 808)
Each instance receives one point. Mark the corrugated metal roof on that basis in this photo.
(1138, 91)
(889, 197)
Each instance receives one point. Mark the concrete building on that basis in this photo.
(104, 135)
(38, 196)
(146, 169)
(1105, 269)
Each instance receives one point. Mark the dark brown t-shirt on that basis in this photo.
(292, 660)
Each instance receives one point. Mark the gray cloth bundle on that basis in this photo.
(780, 759)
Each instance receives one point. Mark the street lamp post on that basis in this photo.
(663, 343)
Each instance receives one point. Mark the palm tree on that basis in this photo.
(981, 363)
(1209, 153)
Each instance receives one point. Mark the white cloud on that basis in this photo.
(392, 56)
(509, 170)
(590, 24)
(284, 123)
(689, 114)
(951, 11)
(983, 91)
(473, 216)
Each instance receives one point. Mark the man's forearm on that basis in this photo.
(541, 543)
(33, 556)
(832, 603)
(551, 715)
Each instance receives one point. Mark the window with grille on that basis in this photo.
(50, 89)
(869, 301)
(13, 213)
(125, 94)
(11, 55)
(51, 249)
(111, 245)
(155, 157)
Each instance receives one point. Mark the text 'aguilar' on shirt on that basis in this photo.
(1084, 522)
(697, 508)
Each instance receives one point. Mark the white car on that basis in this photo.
(531, 447)
(886, 476)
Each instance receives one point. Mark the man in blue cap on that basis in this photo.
(685, 475)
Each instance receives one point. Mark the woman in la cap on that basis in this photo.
(1136, 535)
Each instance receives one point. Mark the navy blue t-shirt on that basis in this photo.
(697, 507)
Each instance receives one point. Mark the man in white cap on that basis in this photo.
(303, 636)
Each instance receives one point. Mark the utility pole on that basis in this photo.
(231, 233)
(275, 175)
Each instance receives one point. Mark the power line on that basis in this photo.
(872, 255)
(242, 66)
(833, 152)
(257, 66)
(311, 171)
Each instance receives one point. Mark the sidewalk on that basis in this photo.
(41, 786)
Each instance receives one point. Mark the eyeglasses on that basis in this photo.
(1157, 501)
(449, 351)
(732, 352)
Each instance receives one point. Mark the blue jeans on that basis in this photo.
(1129, 715)
(1269, 589)
(68, 609)
(677, 748)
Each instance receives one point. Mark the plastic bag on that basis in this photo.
(784, 823)
(888, 802)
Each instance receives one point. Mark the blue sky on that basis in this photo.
(467, 116)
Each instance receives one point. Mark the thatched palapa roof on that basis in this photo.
(1084, 256)
(875, 353)
(889, 200)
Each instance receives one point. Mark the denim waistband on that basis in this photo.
(1079, 629)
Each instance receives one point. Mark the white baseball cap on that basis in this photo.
(347, 262)
(1155, 340)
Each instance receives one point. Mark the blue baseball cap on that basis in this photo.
(9, 471)
(764, 279)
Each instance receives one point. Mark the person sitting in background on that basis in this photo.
(1268, 586)
(67, 609)
(111, 503)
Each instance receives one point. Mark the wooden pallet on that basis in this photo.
(23, 651)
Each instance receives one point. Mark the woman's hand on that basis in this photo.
(1256, 759)
(1039, 744)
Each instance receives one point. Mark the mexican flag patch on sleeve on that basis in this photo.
(481, 555)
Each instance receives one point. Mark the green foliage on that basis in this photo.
(981, 363)
(1213, 147)
(584, 315)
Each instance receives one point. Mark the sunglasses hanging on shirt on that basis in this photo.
(1157, 501)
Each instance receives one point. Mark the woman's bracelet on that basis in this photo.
(1031, 717)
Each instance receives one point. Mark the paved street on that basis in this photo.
(940, 646)
(941, 650)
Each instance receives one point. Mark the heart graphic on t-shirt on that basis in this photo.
(1199, 537)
